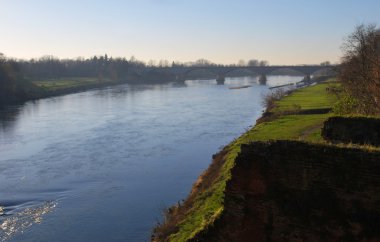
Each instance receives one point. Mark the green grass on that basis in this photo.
(67, 83)
(313, 97)
(209, 204)
(290, 127)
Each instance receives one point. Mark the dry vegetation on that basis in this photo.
(360, 71)
(269, 99)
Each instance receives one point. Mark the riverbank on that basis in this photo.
(297, 117)
(62, 86)
(32, 90)
(26, 90)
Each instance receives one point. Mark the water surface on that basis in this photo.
(101, 165)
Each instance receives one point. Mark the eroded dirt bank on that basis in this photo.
(294, 191)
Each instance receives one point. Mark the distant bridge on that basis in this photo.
(220, 72)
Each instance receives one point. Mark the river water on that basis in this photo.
(101, 165)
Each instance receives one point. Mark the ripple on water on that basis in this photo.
(18, 222)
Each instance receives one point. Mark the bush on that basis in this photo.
(269, 100)
(346, 105)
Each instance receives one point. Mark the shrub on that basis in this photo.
(269, 100)
(346, 105)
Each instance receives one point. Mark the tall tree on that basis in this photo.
(360, 68)
(253, 62)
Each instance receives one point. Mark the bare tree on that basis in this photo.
(253, 62)
(152, 63)
(163, 63)
(203, 62)
(241, 63)
(360, 68)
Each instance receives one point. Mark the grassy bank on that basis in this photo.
(24, 90)
(310, 98)
(205, 203)
(60, 84)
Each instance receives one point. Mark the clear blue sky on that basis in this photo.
(280, 31)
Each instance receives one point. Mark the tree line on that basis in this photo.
(102, 66)
(16, 75)
(14, 87)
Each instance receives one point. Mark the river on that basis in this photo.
(101, 165)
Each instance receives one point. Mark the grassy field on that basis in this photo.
(68, 83)
(314, 97)
(294, 127)
(208, 204)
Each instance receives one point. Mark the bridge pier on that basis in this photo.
(180, 78)
(220, 79)
(263, 79)
(307, 78)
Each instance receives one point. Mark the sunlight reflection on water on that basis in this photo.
(20, 221)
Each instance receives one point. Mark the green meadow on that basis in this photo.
(60, 84)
